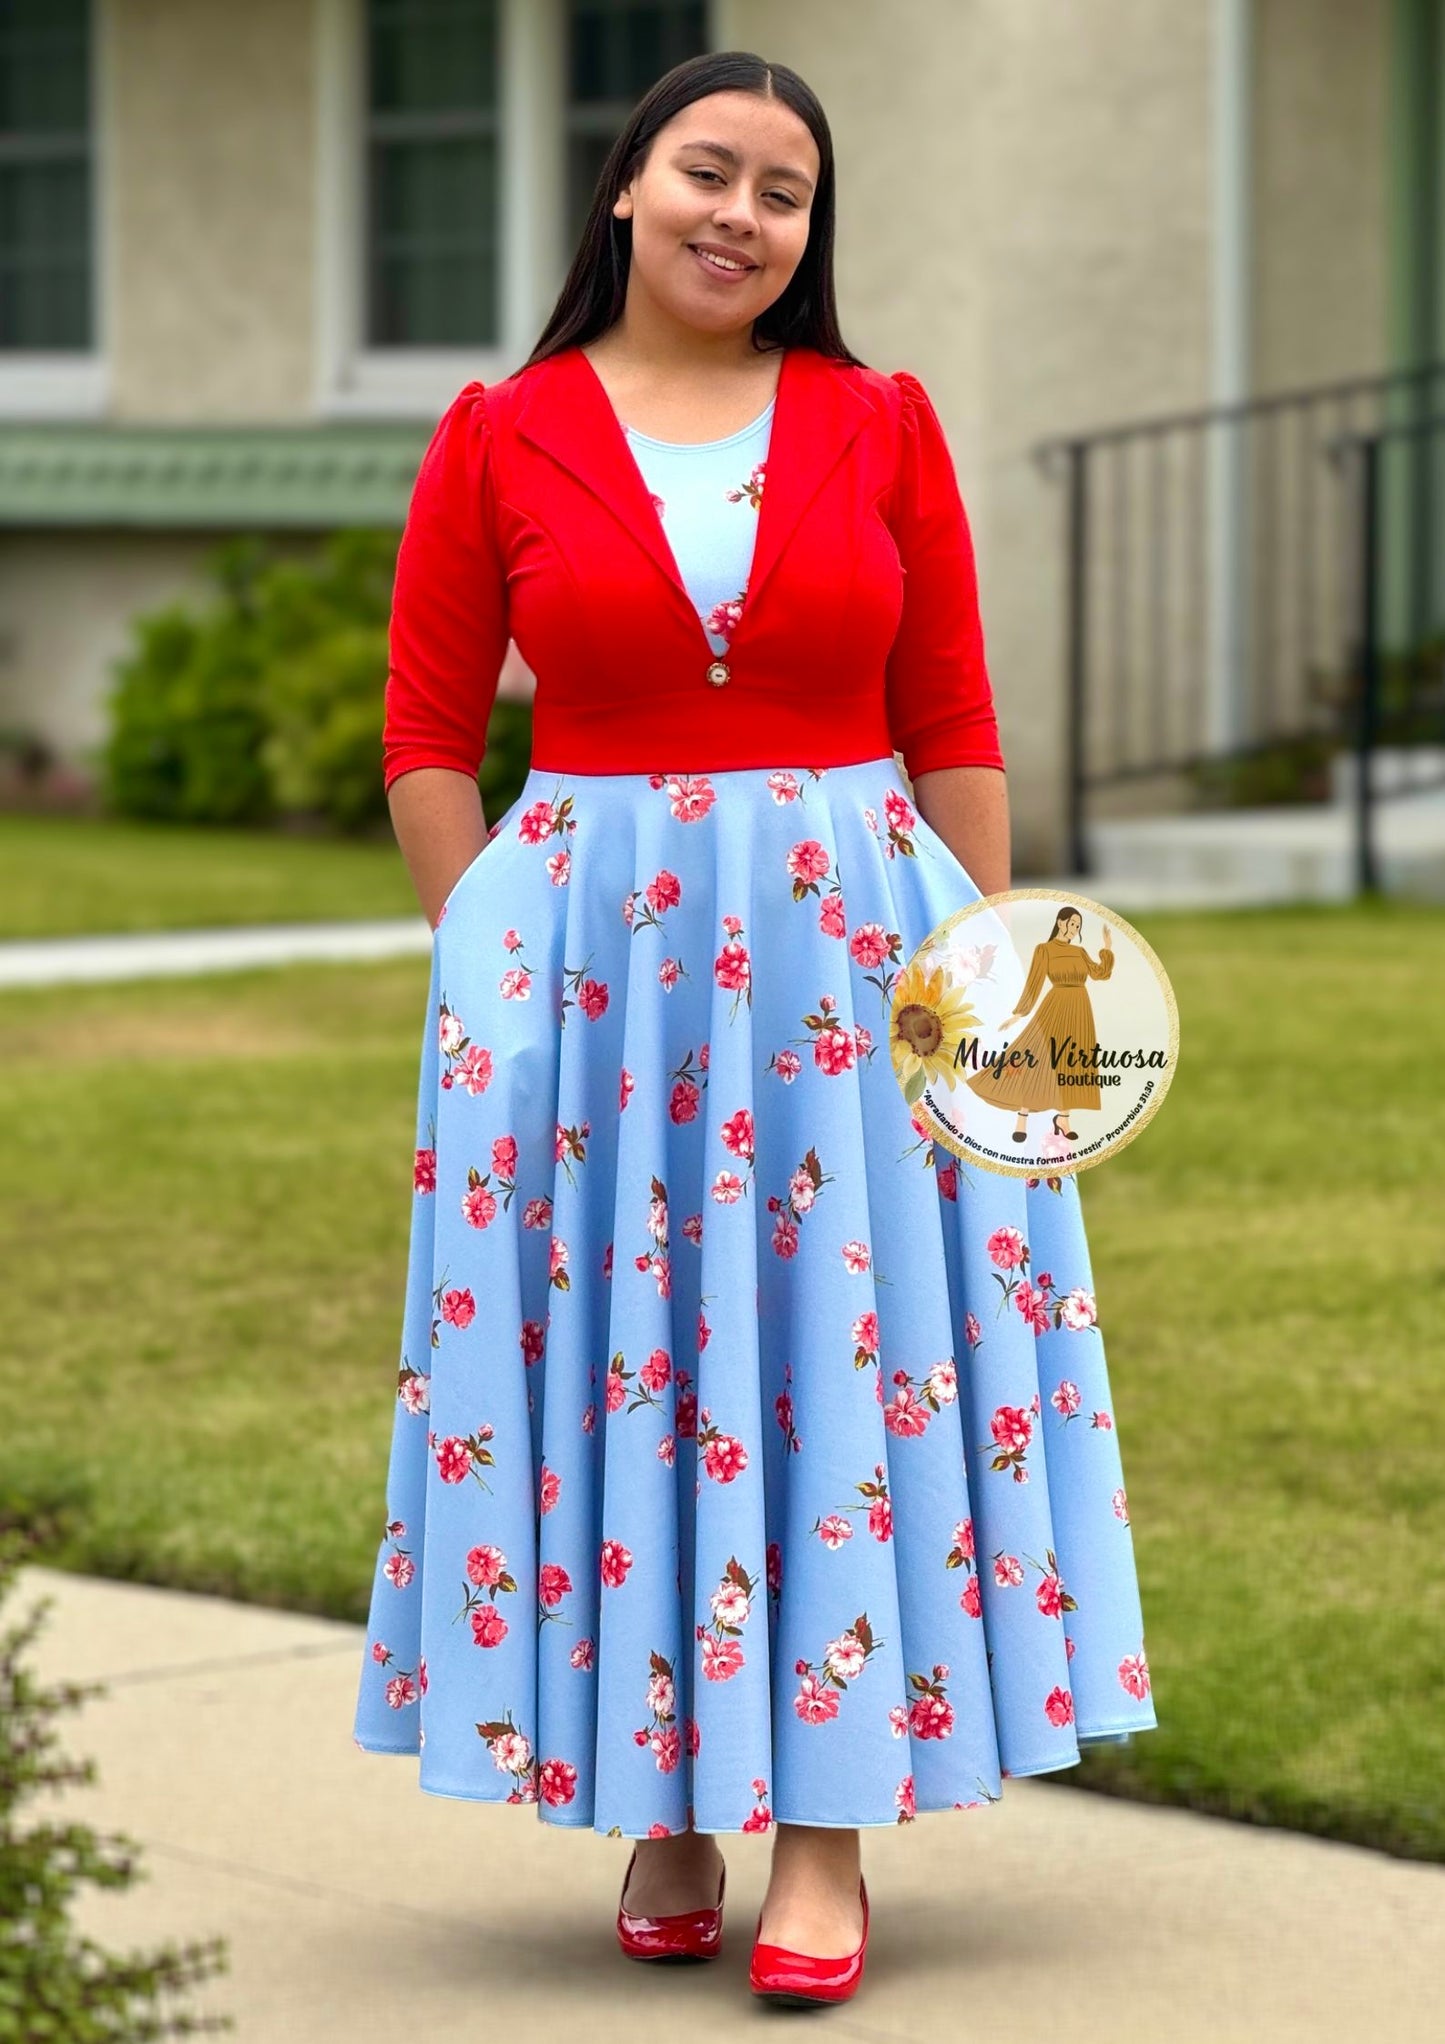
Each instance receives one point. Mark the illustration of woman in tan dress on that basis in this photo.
(1063, 1027)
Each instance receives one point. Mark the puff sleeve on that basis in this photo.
(940, 702)
(449, 633)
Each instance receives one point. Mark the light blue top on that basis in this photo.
(709, 495)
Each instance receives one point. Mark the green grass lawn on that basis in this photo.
(203, 1242)
(77, 876)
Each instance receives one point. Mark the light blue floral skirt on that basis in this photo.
(754, 1460)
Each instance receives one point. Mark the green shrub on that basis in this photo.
(57, 1987)
(271, 702)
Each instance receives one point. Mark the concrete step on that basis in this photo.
(1300, 853)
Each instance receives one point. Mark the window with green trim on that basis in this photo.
(46, 228)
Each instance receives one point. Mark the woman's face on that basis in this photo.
(1069, 929)
(734, 173)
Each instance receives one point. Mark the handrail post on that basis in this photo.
(1367, 878)
(1078, 515)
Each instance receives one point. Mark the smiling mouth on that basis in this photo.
(719, 262)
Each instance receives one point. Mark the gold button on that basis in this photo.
(717, 674)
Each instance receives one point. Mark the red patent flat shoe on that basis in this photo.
(797, 1978)
(692, 1934)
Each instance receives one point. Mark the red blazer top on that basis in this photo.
(530, 520)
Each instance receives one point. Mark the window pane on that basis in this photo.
(434, 243)
(433, 173)
(44, 66)
(45, 201)
(433, 54)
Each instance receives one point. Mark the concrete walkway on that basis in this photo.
(165, 954)
(59, 961)
(359, 1910)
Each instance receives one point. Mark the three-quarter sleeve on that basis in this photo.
(449, 632)
(940, 701)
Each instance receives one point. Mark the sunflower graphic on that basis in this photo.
(929, 1021)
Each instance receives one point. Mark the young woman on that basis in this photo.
(753, 1466)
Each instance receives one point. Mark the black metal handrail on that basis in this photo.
(1230, 647)
(1371, 711)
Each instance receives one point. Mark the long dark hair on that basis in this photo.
(591, 300)
(1065, 915)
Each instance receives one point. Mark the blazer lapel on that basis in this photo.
(818, 414)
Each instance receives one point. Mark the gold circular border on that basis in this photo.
(1056, 1167)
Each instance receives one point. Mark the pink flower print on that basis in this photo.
(857, 1259)
(557, 1782)
(930, 1715)
(786, 1063)
(775, 1569)
(1052, 1599)
(459, 1308)
(905, 1414)
(1008, 1571)
(724, 1456)
(725, 617)
(752, 489)
(424, 1174)
(582, 1654)
(1012, 1429)
(626, 1085)
(783, 1411)
(721, 1659)
(400, 1691)
(553, 1583)
(479, 1204)
(530, 1340)
(971, 1602)
(549, 1490)
(727, 1188)
(692, 1230)
(1077, 1309)
(380, 1653)
(690, 796)
(667, 1451)
(590, 995)
(783, 786)
(943, 1382)
(962, 1550)
(413, 1388)
(1059, 1707)
(685, 1099)
(1121, 1505)
(808, 861)
(1033, 1304)
(399, 1569)
(737, 1134)
(516, 984)
(1067, 1399)
(733, 967)
(1134, 1674)
(473, 1069)
(760, 1817)
(973, 1333)
(504, 1156)
(685, 1417)
(488, 1577)
(557, 1272)
(832, 919)
(834, 1050)
(658, 504)
(661, 893)
(785, 1237)
(903, 1797)
(816, 1703)
(880, 1518)
(656, 1372)
(1007, 1248)
(865, 1335)
(871, 945)
(460, 1456)
(537, 1213)
(616, 1560)
(833, 1530)
(486, 1566)
(948, 1180)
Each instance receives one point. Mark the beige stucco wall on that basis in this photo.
(1320, 190)
(211, 158)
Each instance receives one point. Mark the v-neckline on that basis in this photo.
(621, 441)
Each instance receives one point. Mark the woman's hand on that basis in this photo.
(436, 813)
